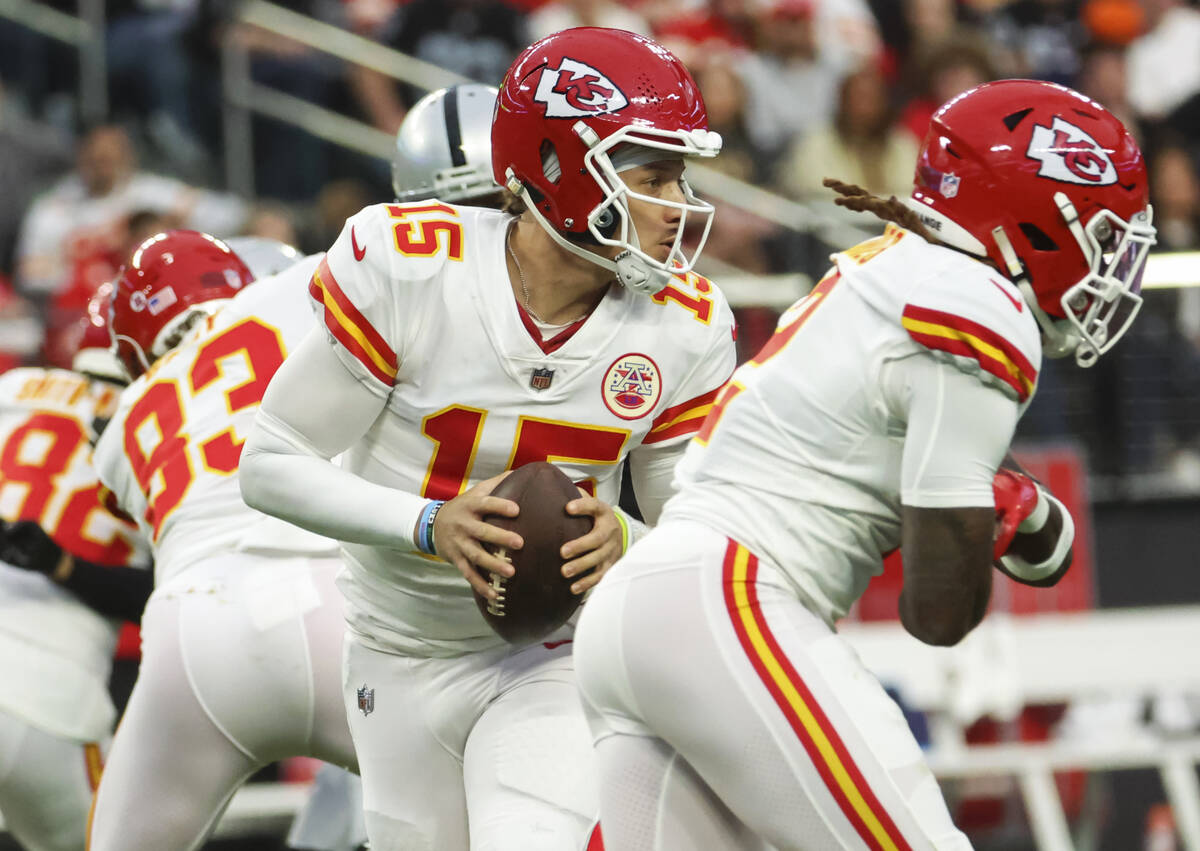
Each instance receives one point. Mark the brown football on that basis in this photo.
(537, 598)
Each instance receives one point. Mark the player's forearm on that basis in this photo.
(284, 479)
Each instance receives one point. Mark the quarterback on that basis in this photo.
(877, 416)
(459, 343)
(241, 639)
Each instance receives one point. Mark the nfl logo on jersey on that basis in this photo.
(366, 699)
(541, 378)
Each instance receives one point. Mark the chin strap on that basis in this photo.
(633, 273)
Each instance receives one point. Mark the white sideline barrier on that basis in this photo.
(1010, 661)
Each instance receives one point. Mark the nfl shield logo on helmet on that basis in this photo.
(632, 386)
(949, 185)
(366, 700)
(576, 90)
(541, 378)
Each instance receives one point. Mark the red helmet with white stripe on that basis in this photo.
(170, 278)
(573, 103)
(1050, 187)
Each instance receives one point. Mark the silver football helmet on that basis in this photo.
(262, 255)
(444, 146)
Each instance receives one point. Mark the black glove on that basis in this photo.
(25, 545)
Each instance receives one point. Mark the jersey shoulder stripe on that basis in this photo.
(682, 419)
(350, 328)
(962, 337)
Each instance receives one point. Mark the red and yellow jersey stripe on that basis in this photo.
(684, 418)
(947, 332)
(804, 715)
(350, 328)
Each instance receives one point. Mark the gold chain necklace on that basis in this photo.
(525, 288)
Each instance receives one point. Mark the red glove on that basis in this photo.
(1016, 497)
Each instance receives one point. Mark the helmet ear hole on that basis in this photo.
(551, 167)
(1038, 238)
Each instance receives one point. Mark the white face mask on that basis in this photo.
(635, 269)
(1102, 305)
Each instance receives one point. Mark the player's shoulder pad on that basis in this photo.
(969, 313)
(693, 308)
(400, 242)
(45, 387)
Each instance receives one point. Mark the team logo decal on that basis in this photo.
(541, 378)
(1070, 155)
(137, 301)
(949, 185)
(632, 386)
(366, 700)
(576, 90)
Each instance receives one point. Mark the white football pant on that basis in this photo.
(488, 751)
(46, 785)
(241, 666)
(726, 715)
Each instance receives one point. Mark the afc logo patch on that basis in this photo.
(1069, 155)
(366, 700)
(632, 386)
(576, 90)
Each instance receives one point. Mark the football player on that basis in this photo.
(878, 415)
(459, 343)
(70, 569)
(443, 150)
(241, 639)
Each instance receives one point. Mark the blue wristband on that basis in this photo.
(424, 535)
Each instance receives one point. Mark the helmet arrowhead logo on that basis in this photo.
(576, 90)
(1070, 155)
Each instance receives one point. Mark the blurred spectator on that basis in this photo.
(20, 329)
(1113, 22)
(736, 236)
(1104, 78)
(716, 26)
(847, 33)
(1044, 36)
(941, 71)
(476, 38)
(1164, 64)
(790, 82)
(863, 145)
(273, 221)
(150, 72)
(336, 202)
(82, 220)
(1175, 188)
(31, 156)
(564, 14)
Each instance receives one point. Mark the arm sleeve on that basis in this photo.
(958, 431)
(116, 592)
(653, 475)
(286, 469)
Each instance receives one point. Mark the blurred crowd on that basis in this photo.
(799, 89)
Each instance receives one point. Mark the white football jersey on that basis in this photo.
(171, 452)
(56, 652)
(417, 304)
(800, 460)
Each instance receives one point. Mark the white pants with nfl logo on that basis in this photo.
(727, 716)
(241, 666)
(488, 751)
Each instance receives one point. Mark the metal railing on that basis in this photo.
(85, 32)
(243, 96)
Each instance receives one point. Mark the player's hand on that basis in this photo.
(1016, 497)
(460, 535)
(25, 545)
(596, 551)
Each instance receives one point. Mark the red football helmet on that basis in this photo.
(1050, 187)
(568, 106)
(93, 344)
(170, 277)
